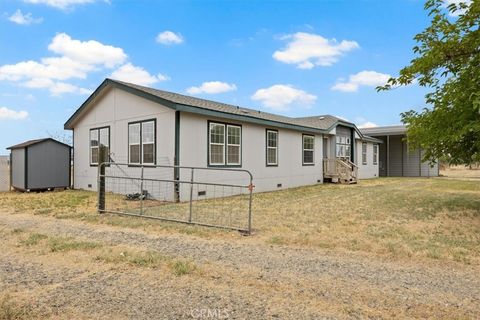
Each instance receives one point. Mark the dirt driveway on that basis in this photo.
(237, 280)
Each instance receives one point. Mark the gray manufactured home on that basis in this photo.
(40, 164)
(143, 126)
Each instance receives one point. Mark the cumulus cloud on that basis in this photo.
(9, 114)
(75, 60)
(24, 19)
(169, 37)
(130, 73)
(212, 87)
(61, 4)
(307, 50)
(56, 88)
(280, 97)
(363, 78)
(87, 52)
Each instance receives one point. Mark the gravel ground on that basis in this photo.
(356, 285)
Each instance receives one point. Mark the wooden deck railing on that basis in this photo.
(341, 168)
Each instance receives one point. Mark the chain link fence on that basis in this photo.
(217, 197)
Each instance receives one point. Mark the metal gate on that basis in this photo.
(215, 197)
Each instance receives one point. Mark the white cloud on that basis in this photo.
(75, 60)
(24, 19)
(280, 97)
(169, 37)
(61, 4)
(9, 114)
(87, 52)
(56, 88)
(137, 75)
(308, 50)
(363, 78)
(367, 124)
(459, 11)
(212, 87)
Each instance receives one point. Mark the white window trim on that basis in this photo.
(98, 141)
(375, 154)
(212, 124)
(224, 145)
(148, 143)
(141, 143)
(365, 154)
(303, 150)
(134, 144)
(239, 145)
(272, 148)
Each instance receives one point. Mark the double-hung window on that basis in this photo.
(364, 153)
(141, 142)
(225, 144)
(308, 149)
(99, 137)
(375, 154)
(272, 147)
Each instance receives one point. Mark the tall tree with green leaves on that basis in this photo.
(448, 63)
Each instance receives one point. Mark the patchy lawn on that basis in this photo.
(385, 248)
(396, 217)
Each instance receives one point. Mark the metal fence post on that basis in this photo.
(101, 179)
(191, 197)
(250, 188)
(141, 191)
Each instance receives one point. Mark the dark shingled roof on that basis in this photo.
(32, 142)
(322, 123)
(312, 122)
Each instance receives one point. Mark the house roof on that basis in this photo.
(32, 142)
(385, 130)
(180, 102)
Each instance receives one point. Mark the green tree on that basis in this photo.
(448, 63)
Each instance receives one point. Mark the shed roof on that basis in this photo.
(35, 141)
(385, 130)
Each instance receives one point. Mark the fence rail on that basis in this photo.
(214, 197)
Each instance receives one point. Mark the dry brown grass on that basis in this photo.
(461, 172)
(397, 217)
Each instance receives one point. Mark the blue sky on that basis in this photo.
(296, 58)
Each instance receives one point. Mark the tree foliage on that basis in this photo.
(447, 62)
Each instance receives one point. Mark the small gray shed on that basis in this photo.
(40, 164)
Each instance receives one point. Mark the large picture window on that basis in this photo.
(141, 142)
(308, 149)
(364, 153)
(99, 137)
(272, 147)
(343, 147)
(225, 144)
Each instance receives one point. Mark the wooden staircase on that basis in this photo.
(340, 170)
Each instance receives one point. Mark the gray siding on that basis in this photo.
(427, 169)
(48, 165)
(402, 161)
(18, 168)
(411, 162)
(382, 158)
(396, 157)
